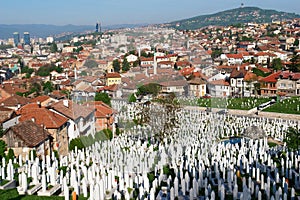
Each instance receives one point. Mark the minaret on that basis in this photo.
(75, 72)
(155, 65)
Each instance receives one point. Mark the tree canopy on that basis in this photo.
(116, 65)
(151, 88)
(102, 96)
(292, 138)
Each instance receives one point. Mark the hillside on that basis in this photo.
(233, 16)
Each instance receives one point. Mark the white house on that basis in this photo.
(131, 58)
(81, 118)
(219, 88)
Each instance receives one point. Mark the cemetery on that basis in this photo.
(288, 105)
(168, 154)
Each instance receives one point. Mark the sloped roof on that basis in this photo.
(12, 89)
(14, 101)
(272, 78)
(30, 133)
(40, 99)
(102, 109)
(219, 82)
(71, 109)
(5, 113)
(41, 116)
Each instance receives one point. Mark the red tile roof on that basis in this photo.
(219, 82)
(102, 109)
(39, 99)
(14, 101)
(12, 89)
(30, 133)
(41, 116)
(272, 78)
(113, 75)
(71, 109)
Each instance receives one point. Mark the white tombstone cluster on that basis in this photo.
(196, 161)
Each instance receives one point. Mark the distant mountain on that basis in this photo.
(233, 16)
(44, 30)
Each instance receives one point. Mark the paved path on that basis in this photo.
(272, 115)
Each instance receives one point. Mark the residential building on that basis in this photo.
(81, 119)
(104, 115)
(26, 136)
(54, 123)
(113, 78)
(219, 88)
(268, 85)
(178, 87)
(288, 84)
(197, 87)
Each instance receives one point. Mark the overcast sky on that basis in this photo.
(110, 12)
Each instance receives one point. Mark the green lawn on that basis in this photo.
(288, 106)
(245, 103)
(12, 194)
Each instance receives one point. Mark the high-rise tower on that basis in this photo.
(98, 27)
(26, 38)
(16, 38)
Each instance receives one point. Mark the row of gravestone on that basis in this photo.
(202, 165)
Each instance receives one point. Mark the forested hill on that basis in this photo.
(233, 16)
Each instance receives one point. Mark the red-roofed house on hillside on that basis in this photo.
(233, 59)
(8, 90)
(81, 118)
(178, 87)
(104, 115)
(113, 78)
(219, 88)
(288, 83)
(26, 136)
(268, 85)
(237, 82)
(54, 123)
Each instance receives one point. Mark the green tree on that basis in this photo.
(296, 43)
(102, 96)
(292, 138)
(48, 87)
(35, 88)
(216, 53)
(116, 65)
(76, 142)
(132, 98)
(10, 155)
(125, 65)
(276, 64)
(2, 149)
(151, 88)
(53, 47)
(295, 64)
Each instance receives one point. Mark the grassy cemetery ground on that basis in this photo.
(13, 194)
(245, 103)
(288, 106)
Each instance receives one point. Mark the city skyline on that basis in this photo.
(88, 12)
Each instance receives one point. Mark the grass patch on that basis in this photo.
(288, 106)
(3, 182)
(245, 103)
(13, 194)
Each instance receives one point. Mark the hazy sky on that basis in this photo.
(109, 12)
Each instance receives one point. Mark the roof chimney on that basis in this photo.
(246, 67)
(39, 104)
(66, 103)
(238, 68)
